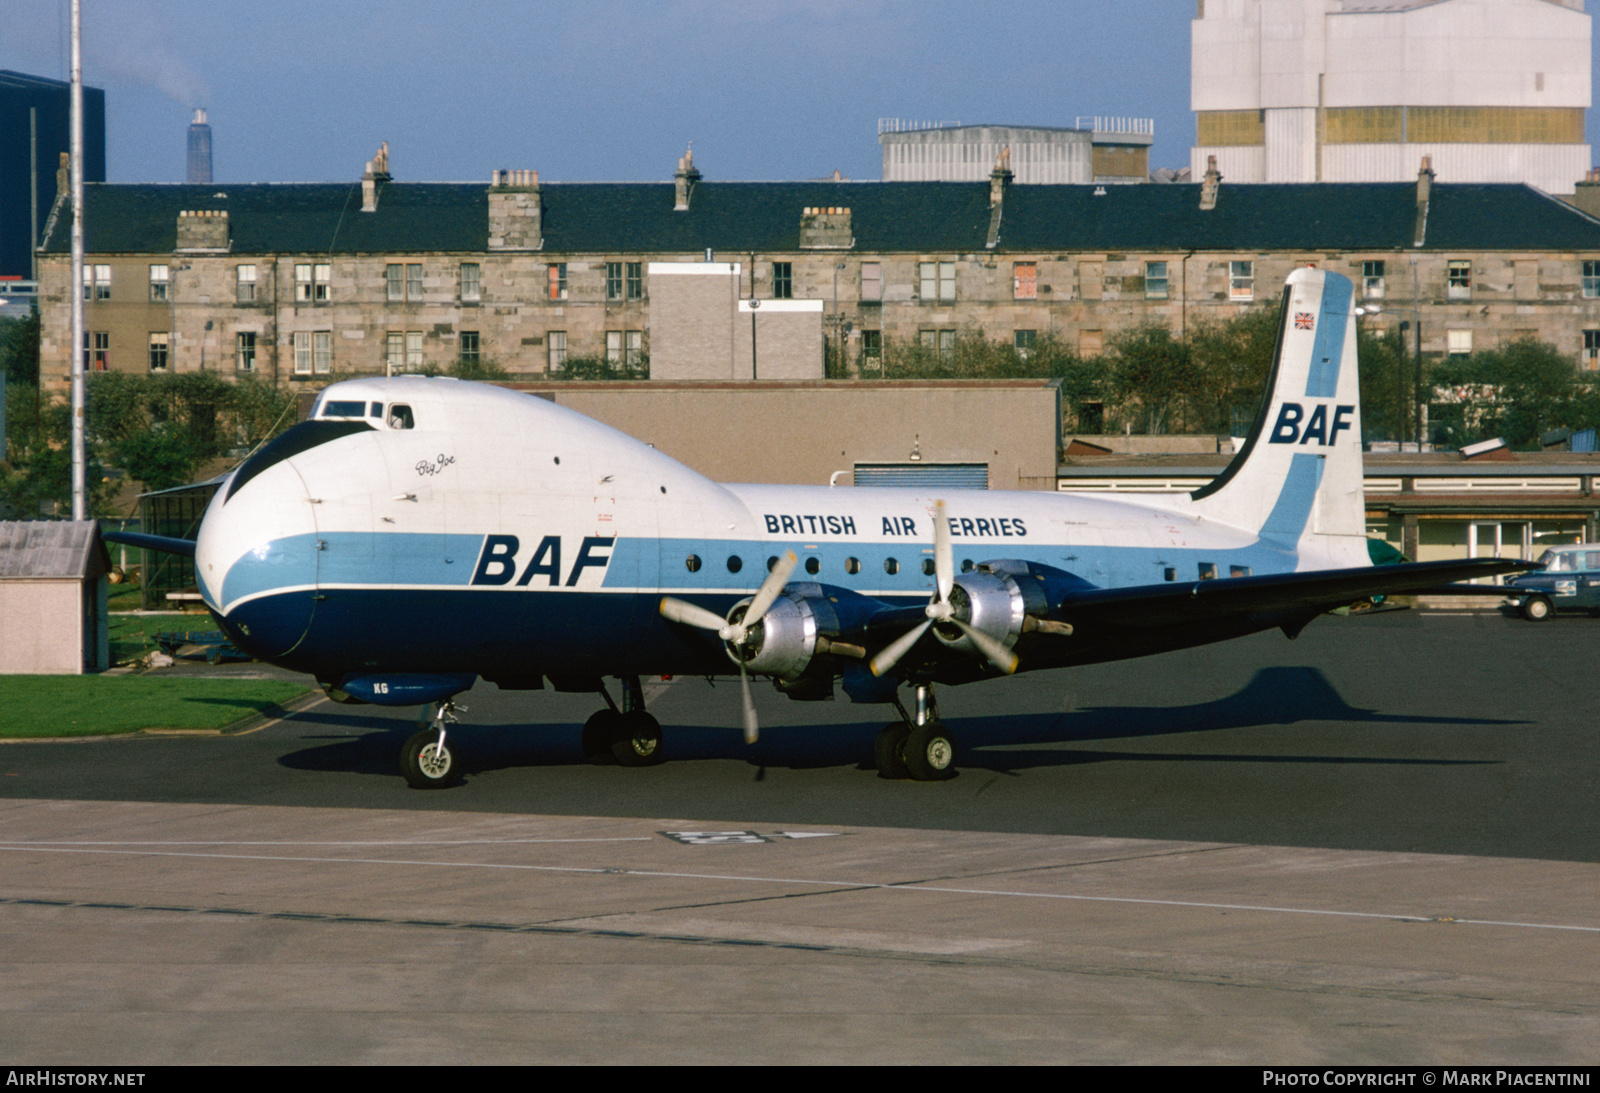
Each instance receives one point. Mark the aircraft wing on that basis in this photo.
(1279, 594)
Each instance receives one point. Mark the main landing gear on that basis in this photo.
(918, 748)
(629, 737)
(425, 760)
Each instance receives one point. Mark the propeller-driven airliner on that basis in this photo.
(416, 534)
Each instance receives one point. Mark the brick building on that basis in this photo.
(300, 281)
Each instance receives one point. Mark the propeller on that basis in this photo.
(940, 609)
(736, 631)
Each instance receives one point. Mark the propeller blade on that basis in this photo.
(691, 614)
(769, 589)
(752, 731)
(1001, 657)
(943, 559)
(890, 654)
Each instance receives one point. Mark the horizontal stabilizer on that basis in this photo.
(151, 542)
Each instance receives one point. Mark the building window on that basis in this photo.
(941, 341)
(245, 351)
(937, 280)
(1591, 350)
(413, 351)
(158, 284)
(1155, 280)
(394, 276)
(1458, 343)
(613, 347)
(1459, 284)
(311, 283)
(158, 351)
(558, 348)
(100, 353)
(414, 281)
(394, 352)
(871, 283)
(469, 346)
(97, 282)
(558, 280)
(247, 284)
(471, 282)
(871, 346)
(613, 280)
(1591, 279)
(635, 280)
(302, 353)
(322, 351)
(632, 348)
(1024, 281)
(1241, 280)
(1372, 280)
(1091, 343)
(782, 280)
(1024, 341)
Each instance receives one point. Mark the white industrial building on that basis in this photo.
(1361, 90)
(1095, 150)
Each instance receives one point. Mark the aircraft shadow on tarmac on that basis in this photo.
(1276, 696)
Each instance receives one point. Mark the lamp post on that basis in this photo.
(1415, 324)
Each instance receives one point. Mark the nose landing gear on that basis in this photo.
(425, 760)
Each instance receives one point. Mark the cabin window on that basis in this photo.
(772, 563)
(891, 566)
(813, 565)
(928, 567)
(400, 417)
(1208, 571)
(692, 563)
(735, 563)
(1238, 571)
(852, 565)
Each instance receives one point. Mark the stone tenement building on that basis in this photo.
(297, 281)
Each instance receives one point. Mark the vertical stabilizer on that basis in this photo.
(1297, 480)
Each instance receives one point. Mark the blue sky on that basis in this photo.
(597, 90)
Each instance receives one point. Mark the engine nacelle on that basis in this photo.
(804, 622)
(992, 602)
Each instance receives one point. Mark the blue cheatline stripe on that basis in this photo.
(353, 557)
(1288, 518)
(1327, 348)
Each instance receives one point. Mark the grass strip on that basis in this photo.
(33, 707)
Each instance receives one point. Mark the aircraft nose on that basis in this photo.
(256, 559)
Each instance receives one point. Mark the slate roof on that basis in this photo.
(51, 549)
(887, 217)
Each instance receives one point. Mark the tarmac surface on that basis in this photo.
(1376, 844)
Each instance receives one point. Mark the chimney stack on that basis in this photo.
(1210, 185)
(1425, 178)
(199, 149)
(516, 211)
(377, 172)
(999, 179)
(683, 182)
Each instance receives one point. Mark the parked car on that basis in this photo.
(1569, 581)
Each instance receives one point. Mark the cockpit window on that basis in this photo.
(376, 411)
(400, 417)
(339, 408)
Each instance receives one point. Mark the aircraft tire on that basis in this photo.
(889, 751)
(1536, 609)
(638, 741)
(930, 753)
(425, 764)
(600, 732)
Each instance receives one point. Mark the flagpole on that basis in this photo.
(79, 505)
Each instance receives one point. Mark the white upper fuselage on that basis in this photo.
(460, 486)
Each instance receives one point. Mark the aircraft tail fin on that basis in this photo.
(1298, 476)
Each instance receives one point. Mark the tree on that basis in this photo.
(1154, 374)
(1518, 390)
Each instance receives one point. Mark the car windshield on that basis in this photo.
(1558, 561)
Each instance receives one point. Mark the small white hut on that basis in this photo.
(53, 598)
